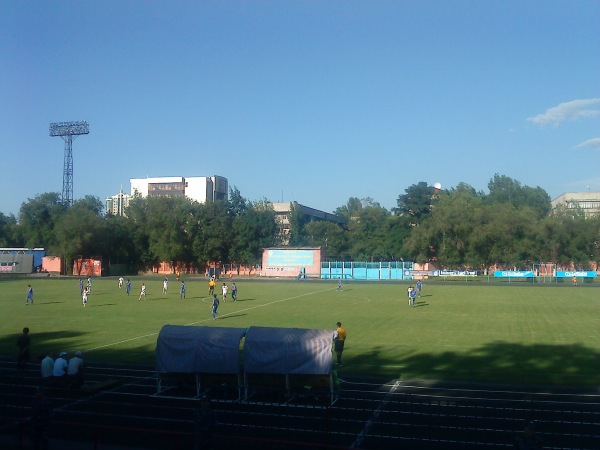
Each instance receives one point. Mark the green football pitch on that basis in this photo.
(519, 334)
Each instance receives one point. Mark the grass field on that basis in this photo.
(481, 333)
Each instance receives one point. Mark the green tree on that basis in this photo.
(238, 205)
(212, 237)
(443, 235)
(37, 218)
(351, 209)
(330, 236)
(366, 233)
(569, 237)
(297, 221)
(9, 233)
(170, 225)
(253, 230)
(137, 226)
(79, 231)
(416, 203)
(119, 242)
(506, 235)
(504, 189)
(395, 232)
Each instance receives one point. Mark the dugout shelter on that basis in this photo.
(290, 359)
(198, 351)
(250, 361)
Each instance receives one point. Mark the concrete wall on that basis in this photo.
(289, 261)
(16, 263)
(52, 264)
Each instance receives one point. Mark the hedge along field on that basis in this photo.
(481, 333)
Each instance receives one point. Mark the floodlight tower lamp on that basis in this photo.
(68, 131)
(69, 128)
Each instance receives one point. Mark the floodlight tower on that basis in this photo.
(68, 131)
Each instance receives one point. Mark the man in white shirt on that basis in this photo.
(47, 368)
(60, 368)
(75, 370)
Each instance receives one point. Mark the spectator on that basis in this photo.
(47, 368)
(23, 342)
(75, 370)
(59, 371)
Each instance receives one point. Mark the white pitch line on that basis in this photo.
(369, 424)
(207, 319)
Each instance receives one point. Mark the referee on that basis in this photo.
(339, 337)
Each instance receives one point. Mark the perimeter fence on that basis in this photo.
(411, 271)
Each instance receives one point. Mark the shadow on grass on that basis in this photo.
(229, 316)
(496, 362)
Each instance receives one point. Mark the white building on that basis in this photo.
(200, 189)
(588, 202)
(116, 204)
(282, 217)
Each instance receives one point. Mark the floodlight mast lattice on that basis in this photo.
(68, 131)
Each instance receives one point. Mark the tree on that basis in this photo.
(252, 231)
(297, 222)
(137, 226)
(9, 236)
(395, 232)
(504, 189)
(443, 235)
(415, 204)
(505, 235)
(328, 235)
(212, 237)
(171, 222)
(366, 233)
(37, 218)
(569, 237)
(238, 205)
(119, 242)
(79, 231)
(351, 209)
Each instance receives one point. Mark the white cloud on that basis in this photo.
(572, 110)
(590, 143)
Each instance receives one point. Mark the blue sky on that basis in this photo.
(313, 101)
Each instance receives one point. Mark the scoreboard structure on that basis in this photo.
(292, 262)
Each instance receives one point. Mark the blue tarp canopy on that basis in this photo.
(287, 351)
(187, 349)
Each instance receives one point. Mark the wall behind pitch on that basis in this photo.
(289, 261)
(19, 263)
